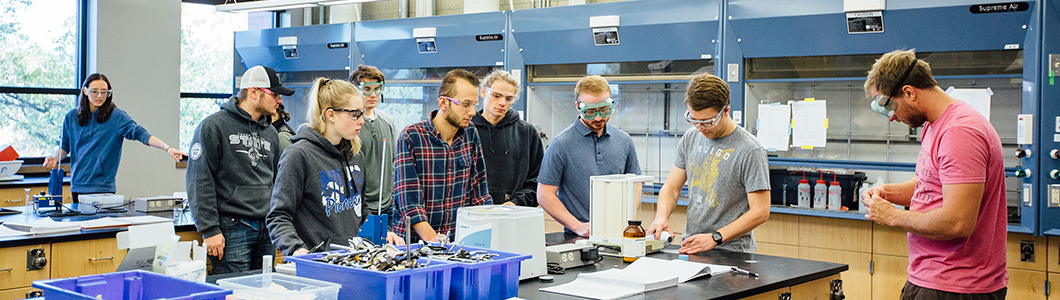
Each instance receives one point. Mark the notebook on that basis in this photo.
(44, 226)
(683, 269)
(612, 284)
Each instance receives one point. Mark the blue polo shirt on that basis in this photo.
(577, 153)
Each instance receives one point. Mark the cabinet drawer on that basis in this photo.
(17, 196)
(13, 273)
(19, 293)
(72, 259)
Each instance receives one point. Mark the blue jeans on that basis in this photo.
(246, 241)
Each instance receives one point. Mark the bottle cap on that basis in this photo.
(634, 222)
(820, 182)
(804, 181)
(835, 182)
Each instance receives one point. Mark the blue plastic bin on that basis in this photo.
(130, 285)
(495, 279)
(429, 283)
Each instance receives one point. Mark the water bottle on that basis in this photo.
(820, 192)
(804, 193)
(835, 193)
(864, 187)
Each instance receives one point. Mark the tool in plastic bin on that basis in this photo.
(374, 227)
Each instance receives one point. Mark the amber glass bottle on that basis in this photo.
(633, 231)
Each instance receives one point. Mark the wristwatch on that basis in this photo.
(717, 237)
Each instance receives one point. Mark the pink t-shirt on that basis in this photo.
(961, 147)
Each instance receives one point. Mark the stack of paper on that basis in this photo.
(645, 274)
(683, 269)
(104, 223)
(5, 232)
(44, 226)
(611, 284)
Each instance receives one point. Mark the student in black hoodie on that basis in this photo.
(512, 147)
(230, 172)
(319, 192)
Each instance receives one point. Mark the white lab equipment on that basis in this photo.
(516, 229)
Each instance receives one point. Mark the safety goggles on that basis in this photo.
(705, 124)
(603, 109)
(882, 104)
(508, 97)
(100, 93)
(371, 88)
(353, 113)
(465, 104)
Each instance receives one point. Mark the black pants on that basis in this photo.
(914, 292)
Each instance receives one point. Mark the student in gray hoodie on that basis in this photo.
(232, 165)
(319, 192)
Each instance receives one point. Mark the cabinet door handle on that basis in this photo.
(15, 200)
(5, 270)
(101, 258)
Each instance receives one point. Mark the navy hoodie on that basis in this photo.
(231, 167)
(318, 193)
(513, 151)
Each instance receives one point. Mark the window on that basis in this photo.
(39, 45)
(206, 78)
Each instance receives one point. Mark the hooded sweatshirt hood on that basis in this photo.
(513, 151)
(231, 167)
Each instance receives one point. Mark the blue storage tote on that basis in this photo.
(494, 279)
(129, 285)
(428, 283)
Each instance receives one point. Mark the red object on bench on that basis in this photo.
(8, 153)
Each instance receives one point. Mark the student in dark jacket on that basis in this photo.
(319, 192)
(230, 172)
(512, 147)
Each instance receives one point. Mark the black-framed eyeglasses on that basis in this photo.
(354, 113)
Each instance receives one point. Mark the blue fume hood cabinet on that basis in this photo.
(782, 28)
(389, 44)
(648, 30)
(320, 48)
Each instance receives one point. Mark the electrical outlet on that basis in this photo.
(1027, 251)
(733, 73)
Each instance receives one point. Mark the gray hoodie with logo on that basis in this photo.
(231, 167)
(318, 195)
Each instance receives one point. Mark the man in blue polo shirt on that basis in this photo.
(589, 147)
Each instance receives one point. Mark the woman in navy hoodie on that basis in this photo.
(318, 195)
(93, 134)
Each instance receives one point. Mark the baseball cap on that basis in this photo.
(263, 77)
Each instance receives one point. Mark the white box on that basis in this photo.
(104, 200)
(280, 286)
(516, 229)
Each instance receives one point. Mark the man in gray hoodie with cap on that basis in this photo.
(231, 168)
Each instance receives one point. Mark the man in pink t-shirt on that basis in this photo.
(957, 218)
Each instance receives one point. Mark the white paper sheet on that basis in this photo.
(774, 122)
(8, 232)
(809, 123)
(977, 98)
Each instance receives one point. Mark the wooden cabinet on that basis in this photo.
(889, 240)
(1013, 244)
(13, 273)
(778, 230)
(678, 218)
(857, 282)
(72, 259)
(19, 293)
(16, 196)
(1026, 285)
(819, 289)
(770, 295)
(889, 274)
(838, 234)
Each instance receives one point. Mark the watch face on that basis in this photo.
(717, 237)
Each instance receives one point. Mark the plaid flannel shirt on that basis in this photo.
(432, 178)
